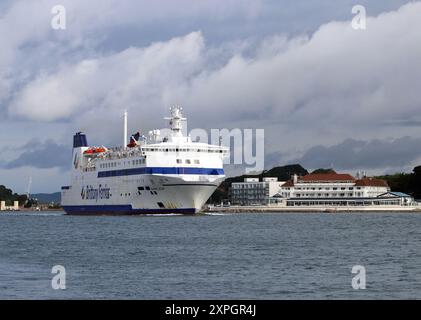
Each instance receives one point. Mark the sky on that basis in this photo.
(325, 94)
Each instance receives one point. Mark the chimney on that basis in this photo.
(295, 178)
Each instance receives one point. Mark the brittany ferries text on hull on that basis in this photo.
(169, 175)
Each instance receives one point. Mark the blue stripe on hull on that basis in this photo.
(120, 210)
(160, 170)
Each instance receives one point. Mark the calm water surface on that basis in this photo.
(244, 256)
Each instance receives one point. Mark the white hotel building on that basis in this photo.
(335, 189)
(321, 189)
(254, 192)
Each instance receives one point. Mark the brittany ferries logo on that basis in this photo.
(91, 193)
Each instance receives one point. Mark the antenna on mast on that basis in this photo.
(28, 190)
(125, 129)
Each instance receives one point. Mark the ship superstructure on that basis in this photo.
(169, 174)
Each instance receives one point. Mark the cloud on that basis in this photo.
(41, 155)
(369, 75)
(358, 154)
(246, 64)
(122, 79)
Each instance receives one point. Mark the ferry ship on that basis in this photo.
(149, 175)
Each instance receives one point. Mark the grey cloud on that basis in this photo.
(42, 155)
(413, 122)
(358, 154)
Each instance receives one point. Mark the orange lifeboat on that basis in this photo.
(95, 151)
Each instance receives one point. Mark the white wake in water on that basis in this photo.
(217, 214)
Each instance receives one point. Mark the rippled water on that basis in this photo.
(243, 256)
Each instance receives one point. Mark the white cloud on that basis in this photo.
(125, 79)
(317, 88)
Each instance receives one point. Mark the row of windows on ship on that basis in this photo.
(182, 150)
(115, 164)
(142, 161)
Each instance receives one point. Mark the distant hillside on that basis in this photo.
(282, 173)
(321, 170)
(46, 198)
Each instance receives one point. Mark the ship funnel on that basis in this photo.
(79, 140)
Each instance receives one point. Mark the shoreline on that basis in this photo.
(273, 209)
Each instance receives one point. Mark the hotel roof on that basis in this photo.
(335, 177)
(326, 177)
(371, 182)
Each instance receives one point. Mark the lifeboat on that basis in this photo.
(95, 151)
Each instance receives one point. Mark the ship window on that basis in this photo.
(179, 161)
(160, 204)
(196, 161)
(147, 188)
(141, 188)
(188, 161)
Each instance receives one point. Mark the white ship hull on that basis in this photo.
(159, 194)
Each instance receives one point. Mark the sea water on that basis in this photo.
(219, 256)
